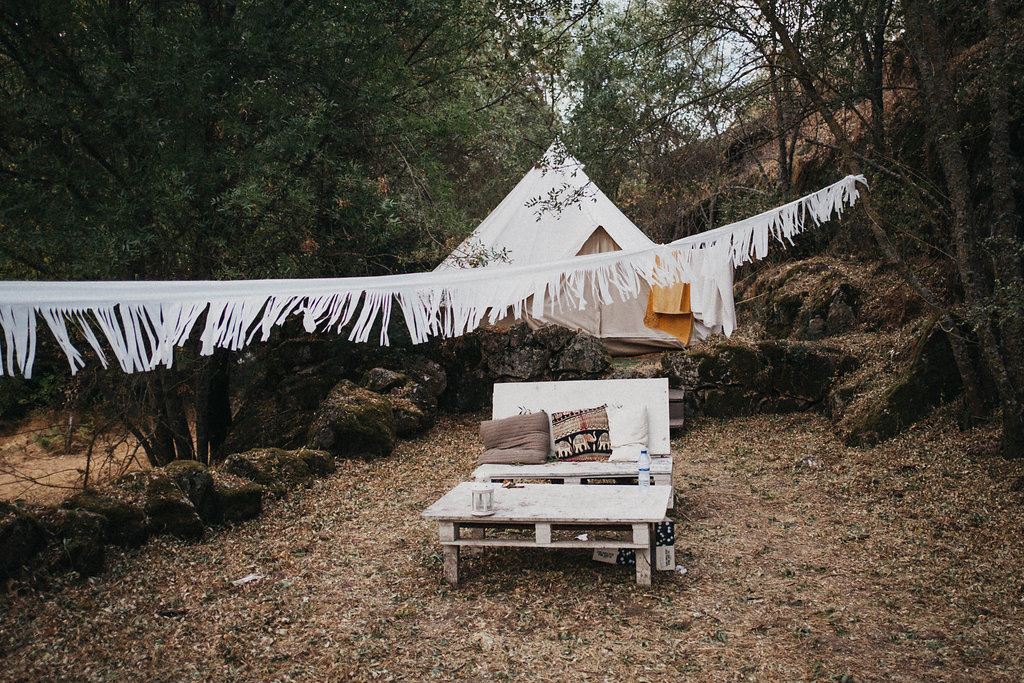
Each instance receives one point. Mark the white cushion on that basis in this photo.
(627, 429)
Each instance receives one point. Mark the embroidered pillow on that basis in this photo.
(627, 427)
(581, 434)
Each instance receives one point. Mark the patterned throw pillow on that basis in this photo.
(581, 434)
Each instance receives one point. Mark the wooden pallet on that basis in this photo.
(543, 510)
(580, 473)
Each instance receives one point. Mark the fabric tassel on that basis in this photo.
(142, 322)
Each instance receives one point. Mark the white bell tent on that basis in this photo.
(557, 213)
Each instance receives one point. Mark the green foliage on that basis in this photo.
(214, 140)
(639, 87)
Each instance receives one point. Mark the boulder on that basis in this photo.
(553, 337)
(929, 379)
(353, 422)
(277, 470)
(816, 328)
(80, 540)
(320, 463)
(842, 315)
(132, 484)
(800, 375)
(519, 363)
(732, 378)
(582, 357)
(22, 536)
(169, 510)
(239, 502)
(410, 420)
(282, 387)
(382, 380)
(429, 375)
(842, 397)
(723, 380)
(474, 362)
(195, 481)
(808, 300)
(781, 313)
(126, 523)
(414, 404)
(468, 391)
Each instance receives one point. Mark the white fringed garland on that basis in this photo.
(142, 322)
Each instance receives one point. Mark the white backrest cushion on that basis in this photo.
(627, 429)
(517, 398)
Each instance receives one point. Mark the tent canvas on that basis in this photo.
(555, 213)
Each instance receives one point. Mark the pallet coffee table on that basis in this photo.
(545, 510)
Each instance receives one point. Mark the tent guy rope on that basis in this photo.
(142, 321)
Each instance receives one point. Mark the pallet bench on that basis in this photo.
(528, 397)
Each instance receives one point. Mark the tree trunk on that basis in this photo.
(785, 172)
(160, 449)
(934, 69)
(874, 22)
(177, 420)
(213, 407)
(961, 353)
(1006, 238)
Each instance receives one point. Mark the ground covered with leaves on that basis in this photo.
(805, 559)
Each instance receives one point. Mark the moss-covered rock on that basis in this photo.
(382, 380)
(781, 314)
(320, 463)
(284, 387)
(803, 374)
(132, 482)
(410, 420)
(728, 401)
(582, 357)
(930, 378)
(726, 364)
(732, 378)
(842, 309)
(126, 523)
(196, 482)
(239, 502)
(810, 300)
(841, 397)
(22, 536)
(169, 510)
(278, 471)
(414, 408)
(519, 363)
(79, 540)
(723, 380)
(353, 422)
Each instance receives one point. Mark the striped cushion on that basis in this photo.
(519, 439)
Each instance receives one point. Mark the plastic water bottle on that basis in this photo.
(643, 468)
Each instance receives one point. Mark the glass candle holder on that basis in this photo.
(483, 499)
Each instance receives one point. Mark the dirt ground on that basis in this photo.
(805, 559)
(37, 466)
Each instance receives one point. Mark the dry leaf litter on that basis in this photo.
(805, 559)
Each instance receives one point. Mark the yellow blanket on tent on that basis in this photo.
(668, 310)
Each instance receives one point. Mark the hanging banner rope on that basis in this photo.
(142, 322)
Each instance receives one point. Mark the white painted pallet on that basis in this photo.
(547, 508)
(528, 397)
(517, 398)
